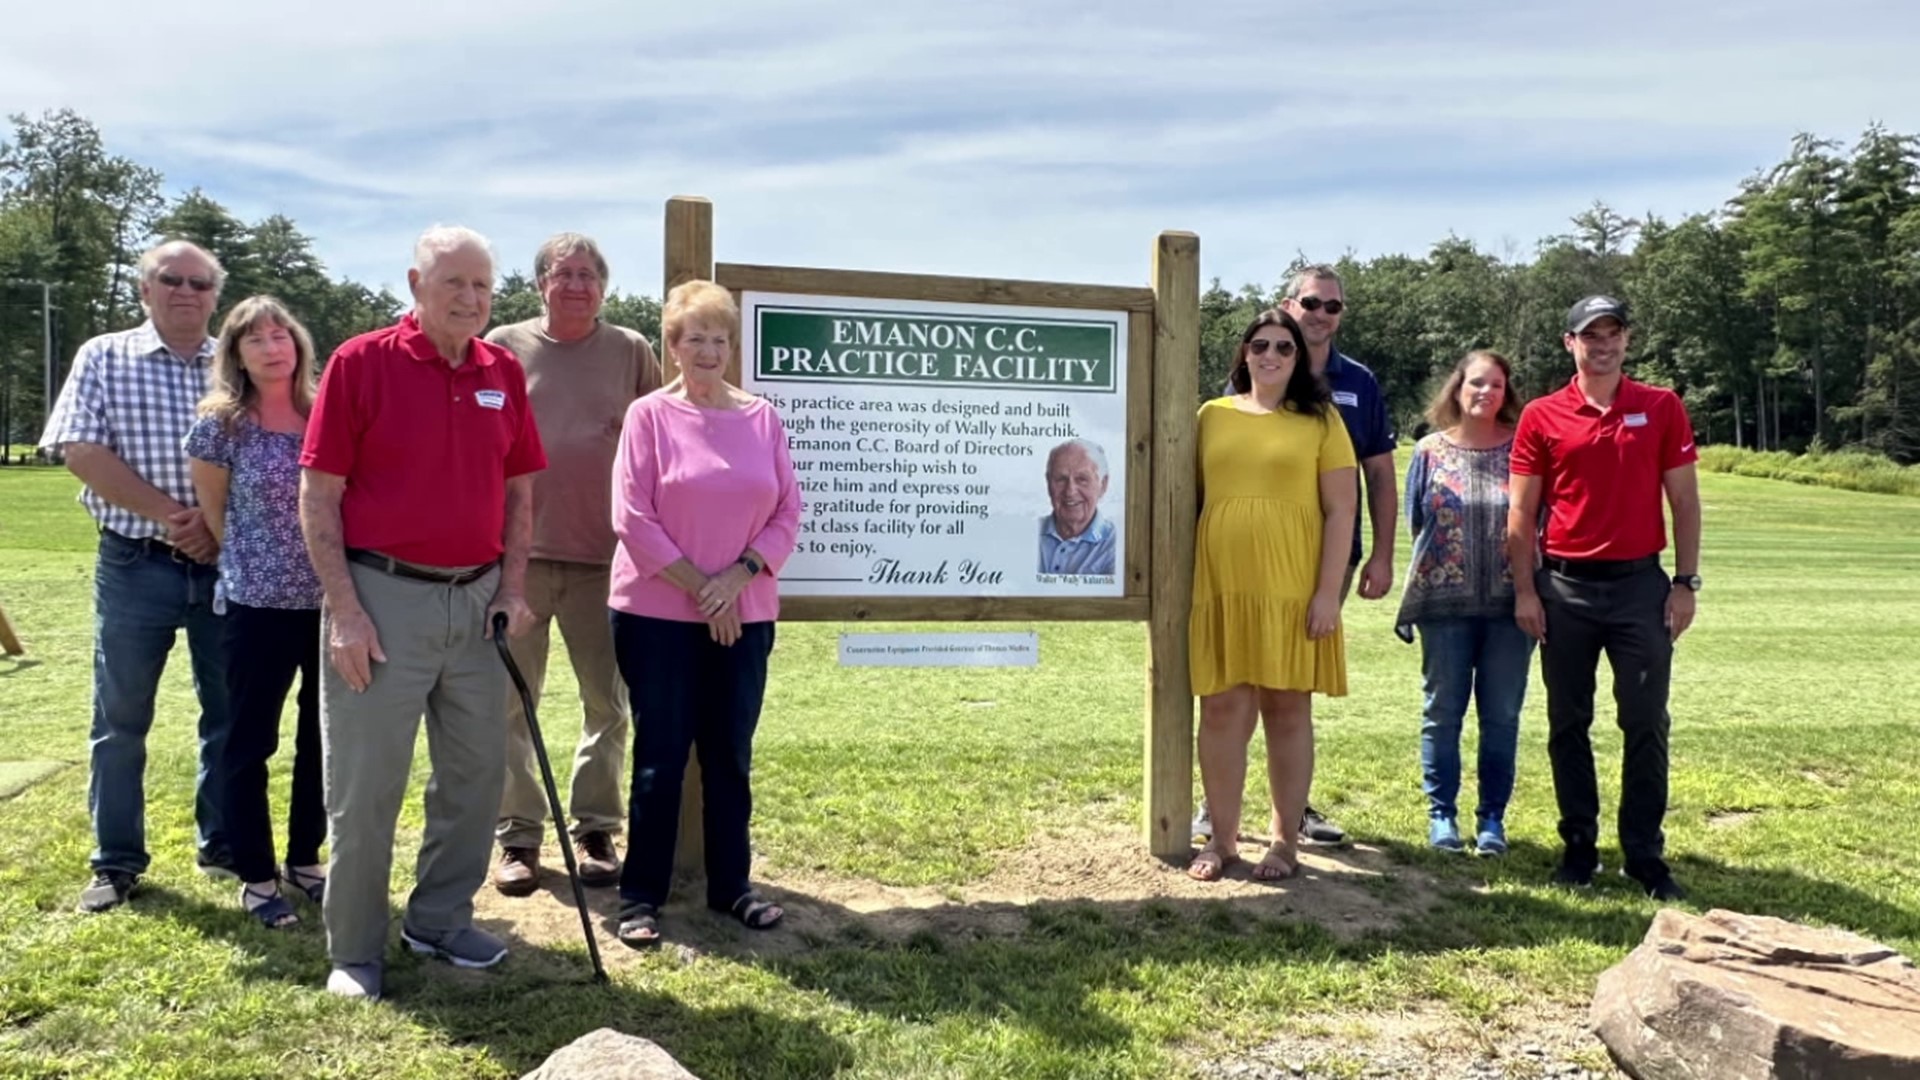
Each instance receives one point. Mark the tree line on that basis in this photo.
(1788, 317)
(78, 217)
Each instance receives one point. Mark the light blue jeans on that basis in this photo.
(142, 598)
(1485, 660)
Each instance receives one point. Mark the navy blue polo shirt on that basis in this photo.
(1364, 408)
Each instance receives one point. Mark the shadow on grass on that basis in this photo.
(1060, 972)
(538, 999)
(13, 665)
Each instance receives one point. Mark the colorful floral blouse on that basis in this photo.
(1457, 509)
(263, 559)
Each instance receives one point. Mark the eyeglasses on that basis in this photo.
(174, 281)
(1314, 303)
(1258, 347)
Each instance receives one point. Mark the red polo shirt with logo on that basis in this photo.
(1602, 469)
(426, 447)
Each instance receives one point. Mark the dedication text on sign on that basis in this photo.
(947, 449)
(940, 650)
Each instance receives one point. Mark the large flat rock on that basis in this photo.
(1727, 996)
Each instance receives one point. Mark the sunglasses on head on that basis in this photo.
(1314, 303)
(174, 281)
(1258, 347)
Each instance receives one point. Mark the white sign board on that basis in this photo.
(940, 650)
(947, 449)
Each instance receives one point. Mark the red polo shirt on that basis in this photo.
(1602, 468)
(426, 447)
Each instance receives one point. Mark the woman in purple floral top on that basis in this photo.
(245, 451)
(1459, 594)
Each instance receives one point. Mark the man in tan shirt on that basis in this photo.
(582, 373)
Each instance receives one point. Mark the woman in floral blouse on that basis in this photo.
(1459, 594)
(245, 451)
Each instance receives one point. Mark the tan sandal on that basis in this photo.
(1274, 866)
(1210, 865)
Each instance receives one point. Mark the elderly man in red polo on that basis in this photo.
(417, 504)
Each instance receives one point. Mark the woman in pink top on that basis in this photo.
(706, 507)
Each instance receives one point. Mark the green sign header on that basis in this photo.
(816, 345)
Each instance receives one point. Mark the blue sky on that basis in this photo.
(1004, 139)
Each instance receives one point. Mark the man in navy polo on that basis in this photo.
(1599, 455)
(1316, 300)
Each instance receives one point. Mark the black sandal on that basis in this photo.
(273, 911)
(314, 886)
(639, 926)
(756, 913)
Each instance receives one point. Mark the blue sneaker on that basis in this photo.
(1491, 840)
(1444, 835)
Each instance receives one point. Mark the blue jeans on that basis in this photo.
(1485, 659)
(142, 596)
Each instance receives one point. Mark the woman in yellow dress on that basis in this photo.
(1277, 504)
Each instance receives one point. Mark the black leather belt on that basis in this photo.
(399, 569)
(1600, 569)
(150, 545)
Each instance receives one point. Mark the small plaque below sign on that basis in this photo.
(940, 650)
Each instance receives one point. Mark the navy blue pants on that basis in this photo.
(689, 693)
(266, 648)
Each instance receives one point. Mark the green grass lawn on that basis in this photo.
(1794, 794)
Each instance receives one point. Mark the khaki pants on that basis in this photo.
(437, 662)
(576, 595)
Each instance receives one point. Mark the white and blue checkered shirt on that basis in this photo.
(135, 396)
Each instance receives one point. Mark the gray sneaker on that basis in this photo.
(1316, 829)
(467, 948)
(1202, 824)
(360, 981)
(108, 890)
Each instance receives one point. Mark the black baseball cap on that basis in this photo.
(1583, 313)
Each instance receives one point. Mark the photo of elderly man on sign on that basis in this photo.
(1075, 538)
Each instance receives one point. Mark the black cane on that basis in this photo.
(553, 792)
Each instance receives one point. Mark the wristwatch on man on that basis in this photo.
(1690, 582)
(754, 566)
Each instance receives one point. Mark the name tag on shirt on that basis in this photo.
(1348, 397)
(1635, 419)
(497, 399)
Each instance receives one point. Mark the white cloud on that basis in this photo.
(1039, 140)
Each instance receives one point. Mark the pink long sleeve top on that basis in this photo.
(703, 484)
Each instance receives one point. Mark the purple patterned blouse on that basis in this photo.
(1457, 509)
(263, 559)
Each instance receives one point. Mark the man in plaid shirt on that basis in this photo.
(120, 419)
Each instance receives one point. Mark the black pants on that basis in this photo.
(689, 693)
(1624, 617)
(266, 647)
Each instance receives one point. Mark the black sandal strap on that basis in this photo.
(751, 910)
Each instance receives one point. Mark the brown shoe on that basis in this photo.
(599, 862)
(519, 871)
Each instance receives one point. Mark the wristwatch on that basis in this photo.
(753, 565)
(1690, 582)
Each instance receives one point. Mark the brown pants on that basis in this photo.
(575, 594)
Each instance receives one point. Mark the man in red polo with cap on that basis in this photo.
(417, 504)
(1599, 456)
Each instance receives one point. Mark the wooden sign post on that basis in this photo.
(925, 415)
(9, 641)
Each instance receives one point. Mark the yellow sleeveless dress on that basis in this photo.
(1257, 554)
